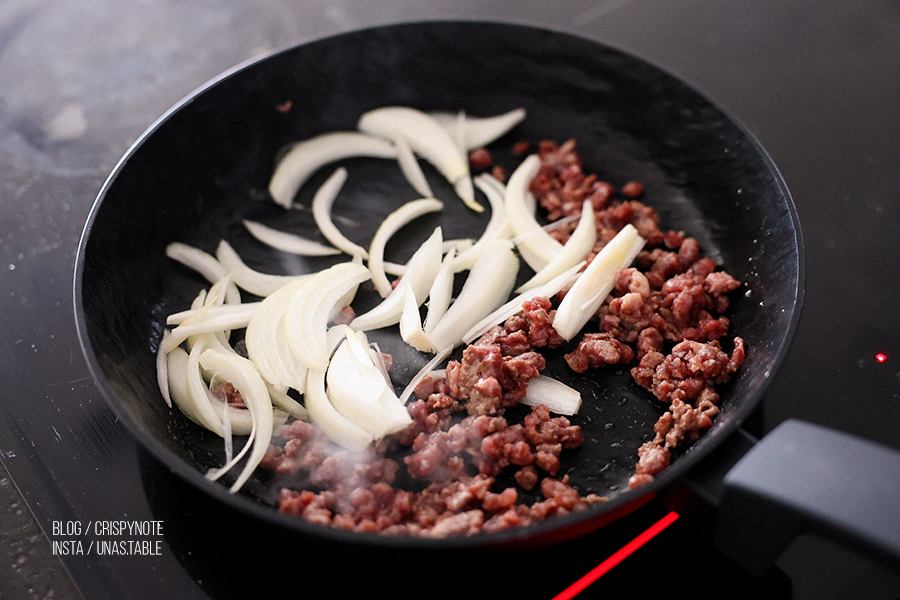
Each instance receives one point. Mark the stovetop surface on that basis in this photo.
(815, 82)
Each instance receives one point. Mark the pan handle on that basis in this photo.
(802, 478)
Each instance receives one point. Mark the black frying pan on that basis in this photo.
(205, 166)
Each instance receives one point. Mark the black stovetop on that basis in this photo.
(816, 82)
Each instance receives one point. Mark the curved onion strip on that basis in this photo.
(241, 373)
(235, 314)
(308, 313)
(594, 284)
(391, 225)
(288, 242)
(410, 321)
(207, 319)
(420, 273)
(496, 224)
(267, 346)
(322, 202)
(207, 265)
(357, 389)
(486, 287)
(333, 424)
(537, 246)
(198, 394)
(425, 370)
(478, 132)
(308, 156)
(552, 393)
(428, 139)
(162, 371)
(255, 282)
(573, 251)
(514, 306)
(441, 292)
(288, 405)
(412, 171)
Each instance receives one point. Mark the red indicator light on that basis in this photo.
(623, 553)
(881, 357)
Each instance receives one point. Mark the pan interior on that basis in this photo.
(205, 167)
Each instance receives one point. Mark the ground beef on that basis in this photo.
(664, 318)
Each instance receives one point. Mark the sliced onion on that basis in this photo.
(288, 242)
(573, 251)
(420, 273)
(496, 226)
(235, 316)
(478, 132)
(266, 340)
(514, 306)
(322, 202)
(325, 416)
(308, 313)
(391, 225)
(536, 246)
(441, 292)
(552, 393)
(207, 265)
(487, 286)
(162, 371)
(358, 390)
(409, 166)
(591, 288)
(308, 156)
(437, 359)
(255, 282)
(241, 373)
(208, 319)
(428, 139)
(411, 330)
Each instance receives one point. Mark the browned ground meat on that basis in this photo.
(664, 318)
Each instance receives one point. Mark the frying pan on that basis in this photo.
(205, 165)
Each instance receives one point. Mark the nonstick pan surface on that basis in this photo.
(204, 167)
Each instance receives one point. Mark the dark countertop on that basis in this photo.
(816, 82)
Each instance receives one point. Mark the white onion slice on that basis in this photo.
(536, 246)
(487, 286)
(255, 282)
(428, 139)
(594, 284)
(478, 132)
(322, 202)
(441, 292)
(207, 319)
(420, 273)
(241, 373)
(391, 225)
(288, 242)
(425, 370)
(308, 156)
(309, 312)
(411, 330)
(514, 306)
(412, 171)
(325, 416)
(358, 390)
(162, 371)
(266, 340)
(495, 228)
(207, 265)
(236, 315)
(573, 251)
(552, 393)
